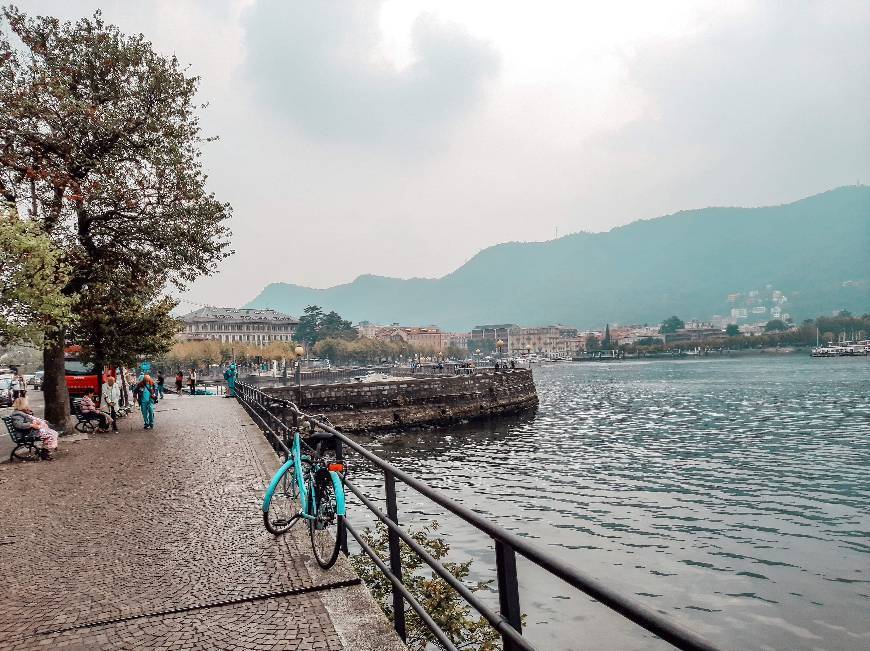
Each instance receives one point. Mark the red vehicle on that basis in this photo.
(81, 376)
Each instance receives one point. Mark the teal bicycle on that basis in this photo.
(309, 487)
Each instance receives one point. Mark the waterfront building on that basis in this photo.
(552, 340)
(430, 337)
(493, 332)
(634, 334)
(229, 324)
(367, 329)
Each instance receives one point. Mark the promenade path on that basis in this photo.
(154, 540)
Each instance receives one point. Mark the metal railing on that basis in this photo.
(280, 418)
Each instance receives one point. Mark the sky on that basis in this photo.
(401, 137)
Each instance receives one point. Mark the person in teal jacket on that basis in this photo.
(230, 376)
(147, 392)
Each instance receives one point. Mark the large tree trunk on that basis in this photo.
(54, 384)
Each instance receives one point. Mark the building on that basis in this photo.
(493, 332)
(367, 329)
(552, 339)
(633, 334)
(227, 324)
(430, 337)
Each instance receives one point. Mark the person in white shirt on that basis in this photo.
(18, 387)
(110, 398)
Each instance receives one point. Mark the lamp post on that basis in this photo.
(299, 352)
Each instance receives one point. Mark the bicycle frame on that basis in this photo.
(299, 478)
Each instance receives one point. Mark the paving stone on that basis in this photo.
(140, 522)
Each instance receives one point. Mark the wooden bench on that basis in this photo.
(28, 441)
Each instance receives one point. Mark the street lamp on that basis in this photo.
(299, 350)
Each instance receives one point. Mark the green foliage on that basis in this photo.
(366, 351)
(455, 617)
(125, 328)
(315, 325)
(201, 354)
(775, 325)
(732, 330)
(671, 325)
(100, 142)
(32, 275)
(606, 343)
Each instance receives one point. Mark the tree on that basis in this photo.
(591, 342)
(671, 325)
(332, 325)
(775, 325)
(449, 611)
(31, 275)
(606, 343)
(732, 330)
(309, 322)
(100, 142)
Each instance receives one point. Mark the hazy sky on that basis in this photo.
(401, 137)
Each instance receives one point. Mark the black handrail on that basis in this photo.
(507, 545)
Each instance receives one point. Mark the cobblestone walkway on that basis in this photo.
(154, 540)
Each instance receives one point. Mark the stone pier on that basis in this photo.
(154, 540)
(409, 402)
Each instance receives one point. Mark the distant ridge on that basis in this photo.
(816, 250)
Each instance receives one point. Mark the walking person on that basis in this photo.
(18, 387)
(147, 394)
(23, 420)
(191, 381)
(160, 381)
(110, 400)
(179, 382)
(230, 376)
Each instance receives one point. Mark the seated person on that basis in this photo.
(24, 420)
(89, 411)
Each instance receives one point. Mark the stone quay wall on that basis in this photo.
(407, 402)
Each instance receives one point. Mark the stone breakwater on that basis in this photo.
(407, 402)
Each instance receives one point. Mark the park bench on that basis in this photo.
(83, 425)
(23, 440)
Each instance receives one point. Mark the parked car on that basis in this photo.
(36, 380)
(5, 392)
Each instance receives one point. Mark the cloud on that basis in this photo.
(319, 65)
(772, 101)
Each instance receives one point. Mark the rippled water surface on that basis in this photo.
(731, 494)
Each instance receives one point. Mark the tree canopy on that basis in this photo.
(775, 325)
(732, 330)
(315, 325)
(671, 325)
(100, 156)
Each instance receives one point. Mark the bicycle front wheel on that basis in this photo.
(326, 527)
(282, 511)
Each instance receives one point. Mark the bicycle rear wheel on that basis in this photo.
(327, 527)
(282, 511)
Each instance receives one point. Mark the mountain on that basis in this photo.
(816, 251)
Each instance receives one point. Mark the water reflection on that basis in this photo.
(728, 493)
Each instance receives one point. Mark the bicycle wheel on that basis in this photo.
(327, 526)
(282, 512)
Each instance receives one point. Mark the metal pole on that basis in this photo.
(395, 555)
(508, 590)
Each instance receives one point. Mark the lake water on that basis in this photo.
(732, 494)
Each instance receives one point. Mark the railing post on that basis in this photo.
(395, 555)
(508, 590)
